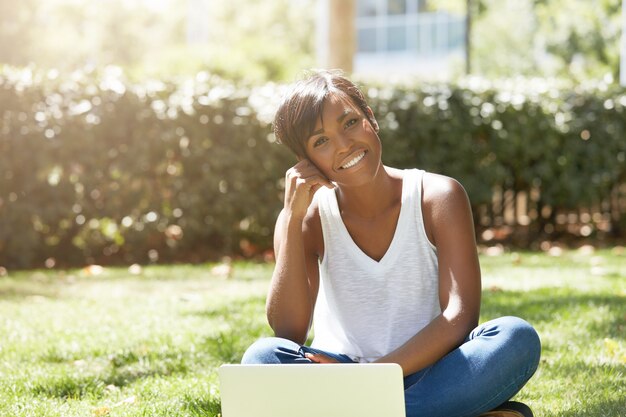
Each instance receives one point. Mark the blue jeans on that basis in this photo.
(490, 367)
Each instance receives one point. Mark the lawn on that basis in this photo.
(147, 341)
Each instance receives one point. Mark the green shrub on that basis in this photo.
(97, 169)
(569, 143)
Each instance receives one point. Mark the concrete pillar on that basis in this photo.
(336, 34)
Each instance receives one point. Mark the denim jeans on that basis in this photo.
(490, 367)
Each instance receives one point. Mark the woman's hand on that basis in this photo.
(319, 358)
(301, 182)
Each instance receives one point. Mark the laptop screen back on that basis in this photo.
(320, 390)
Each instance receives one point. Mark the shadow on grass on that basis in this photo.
(238, 324)
(26, 293)
(227, 346)
(574, 362)
(241, 322)
(70, 387)
(79, 387)
(125, 367)
(546, 305)
(235, 309)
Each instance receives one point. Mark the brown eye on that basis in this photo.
(350, 122)
(320, 141)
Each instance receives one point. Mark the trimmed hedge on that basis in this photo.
(569, 143)
(95, 169)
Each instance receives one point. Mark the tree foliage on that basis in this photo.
(582, 36)
(247, 39)
(576, 39)
(274, 39)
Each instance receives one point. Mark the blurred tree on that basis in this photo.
(581, 36)
(247, 39)
(16, 18)
(502, 43)
(568, 38)
(67, 34)
(274, 39)
(259, 40)
(127, 32)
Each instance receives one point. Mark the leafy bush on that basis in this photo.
(97, 169)
(569, 143)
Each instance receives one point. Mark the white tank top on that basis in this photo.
(366, 308)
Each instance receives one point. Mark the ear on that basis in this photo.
(370, 116)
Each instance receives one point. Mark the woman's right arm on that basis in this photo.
(295, 280)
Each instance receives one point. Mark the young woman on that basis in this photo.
(383, 262)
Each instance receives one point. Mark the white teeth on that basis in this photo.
(354, 161)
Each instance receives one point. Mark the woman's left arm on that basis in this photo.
(449, 226)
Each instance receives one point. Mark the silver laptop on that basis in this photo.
(320, 390)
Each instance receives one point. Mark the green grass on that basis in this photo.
(118, 344)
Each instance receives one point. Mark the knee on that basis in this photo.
(261, 351)
(269, 350)
(523, 339)
(523, 333)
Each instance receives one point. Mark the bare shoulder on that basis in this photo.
(440, 191)
(445, 206)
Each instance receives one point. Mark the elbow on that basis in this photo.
(290, 332)
(294, 336)
(468, 320)
(288, 329)
(461, 321)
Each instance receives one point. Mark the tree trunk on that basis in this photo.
(337, 34)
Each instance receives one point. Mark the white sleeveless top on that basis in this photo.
(366, 308)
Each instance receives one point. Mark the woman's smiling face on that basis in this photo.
(344, 145)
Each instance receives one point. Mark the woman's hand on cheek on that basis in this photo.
(301, 182)
(319, 358)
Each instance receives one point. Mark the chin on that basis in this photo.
(358, 178)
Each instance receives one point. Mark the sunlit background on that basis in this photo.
(251, 39)
(140, 130)
(275, 39)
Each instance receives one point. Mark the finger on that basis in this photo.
(321, 180)
(306, 169)
(320, 358)
(312, 357)
(315, 188)
(312, 181)
(304, 164)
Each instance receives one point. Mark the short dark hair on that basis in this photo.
(303, 105)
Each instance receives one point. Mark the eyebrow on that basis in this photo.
(343, 115)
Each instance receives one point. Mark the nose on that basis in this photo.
(343, 142)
